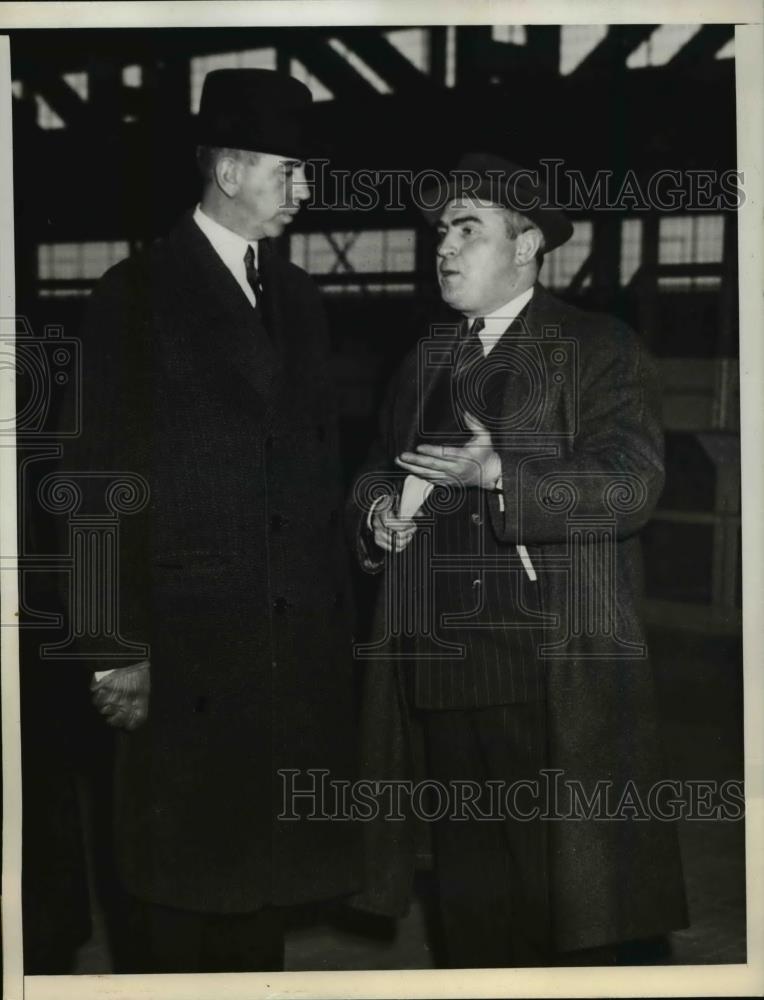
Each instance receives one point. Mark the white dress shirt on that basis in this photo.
(230, 247)
(497, 322)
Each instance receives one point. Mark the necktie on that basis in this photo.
(253, 276)
(465, 385)
(471, 349)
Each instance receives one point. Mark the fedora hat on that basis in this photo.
(485, 177)
(255, 109)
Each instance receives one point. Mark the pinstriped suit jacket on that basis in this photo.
(484, 622)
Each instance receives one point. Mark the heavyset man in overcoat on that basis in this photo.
(205, 373)
(520, 451)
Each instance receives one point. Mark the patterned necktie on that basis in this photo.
(253, 276)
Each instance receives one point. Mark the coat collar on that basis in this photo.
(224, 320)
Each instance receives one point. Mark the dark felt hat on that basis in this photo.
(255, 109)
(491, 178)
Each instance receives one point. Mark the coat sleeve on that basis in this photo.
(613, 474)
(107, 470)
(378, 476)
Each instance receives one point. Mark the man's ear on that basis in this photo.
(527, 246)
(228, 175)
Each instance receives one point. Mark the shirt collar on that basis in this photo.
(510, 310)
(497, 322)
(229, 245)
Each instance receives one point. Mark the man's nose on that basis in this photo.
(446, 247)
(300, 185)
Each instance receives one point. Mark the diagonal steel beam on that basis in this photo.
(341, 251)
(384, 58)
(62, 98)
(703, 45)
(335, 72)
(614, 49)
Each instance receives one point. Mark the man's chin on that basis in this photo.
(453, 300)
(277, 225)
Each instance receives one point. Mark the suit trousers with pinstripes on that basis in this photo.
(491, 872)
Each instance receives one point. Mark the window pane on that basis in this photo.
(693, 239)
(562, 264)
(66, 261)
(373, 250)
(631, 248)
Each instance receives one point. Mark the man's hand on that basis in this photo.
(123, 696)
(475, 464)
(389, 529)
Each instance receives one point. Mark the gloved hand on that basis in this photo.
(122, 696)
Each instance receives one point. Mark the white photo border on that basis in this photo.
(722, 980)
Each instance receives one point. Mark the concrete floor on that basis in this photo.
(700, 688)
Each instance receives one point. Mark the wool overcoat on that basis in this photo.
(234, 574)
(582, 463)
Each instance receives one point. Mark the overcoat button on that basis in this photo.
(280, 605)
(476, 519)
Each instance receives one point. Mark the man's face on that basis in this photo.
(270, 193)
(477, 269)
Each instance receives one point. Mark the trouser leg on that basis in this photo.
(492, 873)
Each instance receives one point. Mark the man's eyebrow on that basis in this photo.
(460, 220)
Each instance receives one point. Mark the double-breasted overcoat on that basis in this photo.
(234, 574)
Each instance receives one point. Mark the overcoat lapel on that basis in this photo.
(273, 306)
(432, 374)
(541, 315)
(240, 343)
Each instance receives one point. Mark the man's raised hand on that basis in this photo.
(474, 464)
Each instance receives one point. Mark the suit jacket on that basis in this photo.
(581, 450)
(234, 574)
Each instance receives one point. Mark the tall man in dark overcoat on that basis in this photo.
(520, 452)
(205, 374)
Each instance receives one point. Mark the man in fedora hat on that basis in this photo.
(205, 372)
(520, 452)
